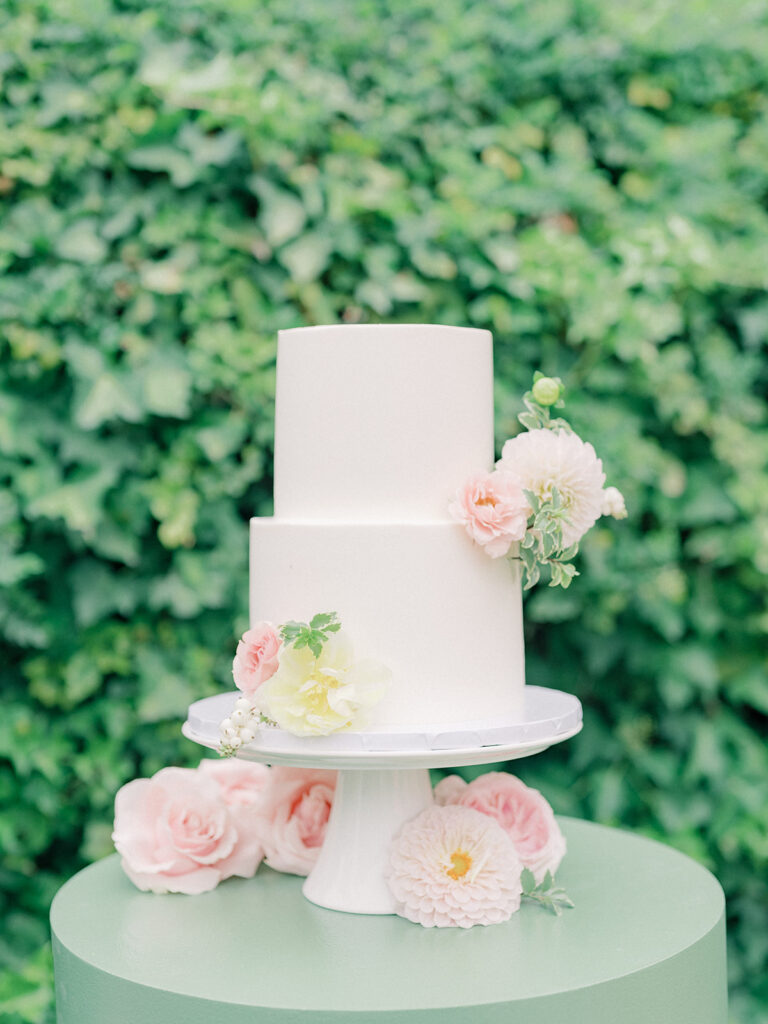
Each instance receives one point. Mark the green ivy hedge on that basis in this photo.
(179, 180)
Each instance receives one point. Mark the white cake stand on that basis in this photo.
(384, 780)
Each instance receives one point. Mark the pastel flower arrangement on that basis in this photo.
(546, 491)
(302, 677)
(185, 830)
(470, 858)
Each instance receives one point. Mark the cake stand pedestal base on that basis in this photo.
(369, 807)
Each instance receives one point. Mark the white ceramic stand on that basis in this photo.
(368, 810)
(381, 788)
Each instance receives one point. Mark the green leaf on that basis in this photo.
(110, 397)
(166, 389)
(312, 635)
(167, 158)
(290, 631)
(325, 621)
(81, 242)
(281, 214)
(532, 577)
(527, 879)
(529, 420)
(306, 258)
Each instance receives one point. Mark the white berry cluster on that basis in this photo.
(240, 728)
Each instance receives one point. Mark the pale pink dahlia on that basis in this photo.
(454, 867)
(543, 459)
(523, 813)
(493, 510)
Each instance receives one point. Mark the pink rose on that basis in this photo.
(256, 657)
(448, 790)
(175, 833)
(295, 817)
(493, 510)
(522, 812)
(241, 783)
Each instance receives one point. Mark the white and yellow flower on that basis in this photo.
(315, 695)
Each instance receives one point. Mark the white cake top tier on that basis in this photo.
(380, 421)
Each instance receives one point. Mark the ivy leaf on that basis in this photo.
(306, 258)
(81, 243)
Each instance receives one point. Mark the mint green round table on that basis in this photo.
(645, 944)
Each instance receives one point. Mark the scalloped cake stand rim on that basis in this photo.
(549, 717)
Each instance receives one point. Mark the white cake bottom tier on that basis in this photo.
(419, 597)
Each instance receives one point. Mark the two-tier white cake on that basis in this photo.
(376, 428)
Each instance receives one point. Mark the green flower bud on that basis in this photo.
(546, 391)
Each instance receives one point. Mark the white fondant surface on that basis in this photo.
(419, 597)
(381, 421)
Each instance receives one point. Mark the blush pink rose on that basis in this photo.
(175, 833)
(522, 812)
(256, 657)
(448, 790)
(295, 817)
(493, 510)
(241, 783)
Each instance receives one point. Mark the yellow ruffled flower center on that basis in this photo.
(461, 862)
(315, 691)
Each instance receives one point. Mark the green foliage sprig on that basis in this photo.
(542, 544)
(545, 893)
(546, 393)
(313, 634)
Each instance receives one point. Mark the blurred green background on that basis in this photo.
(587, 180)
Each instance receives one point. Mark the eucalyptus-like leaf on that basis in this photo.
(550, 896)
(529, 421)
(532, 576)
(533, 499)
(527, 878)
